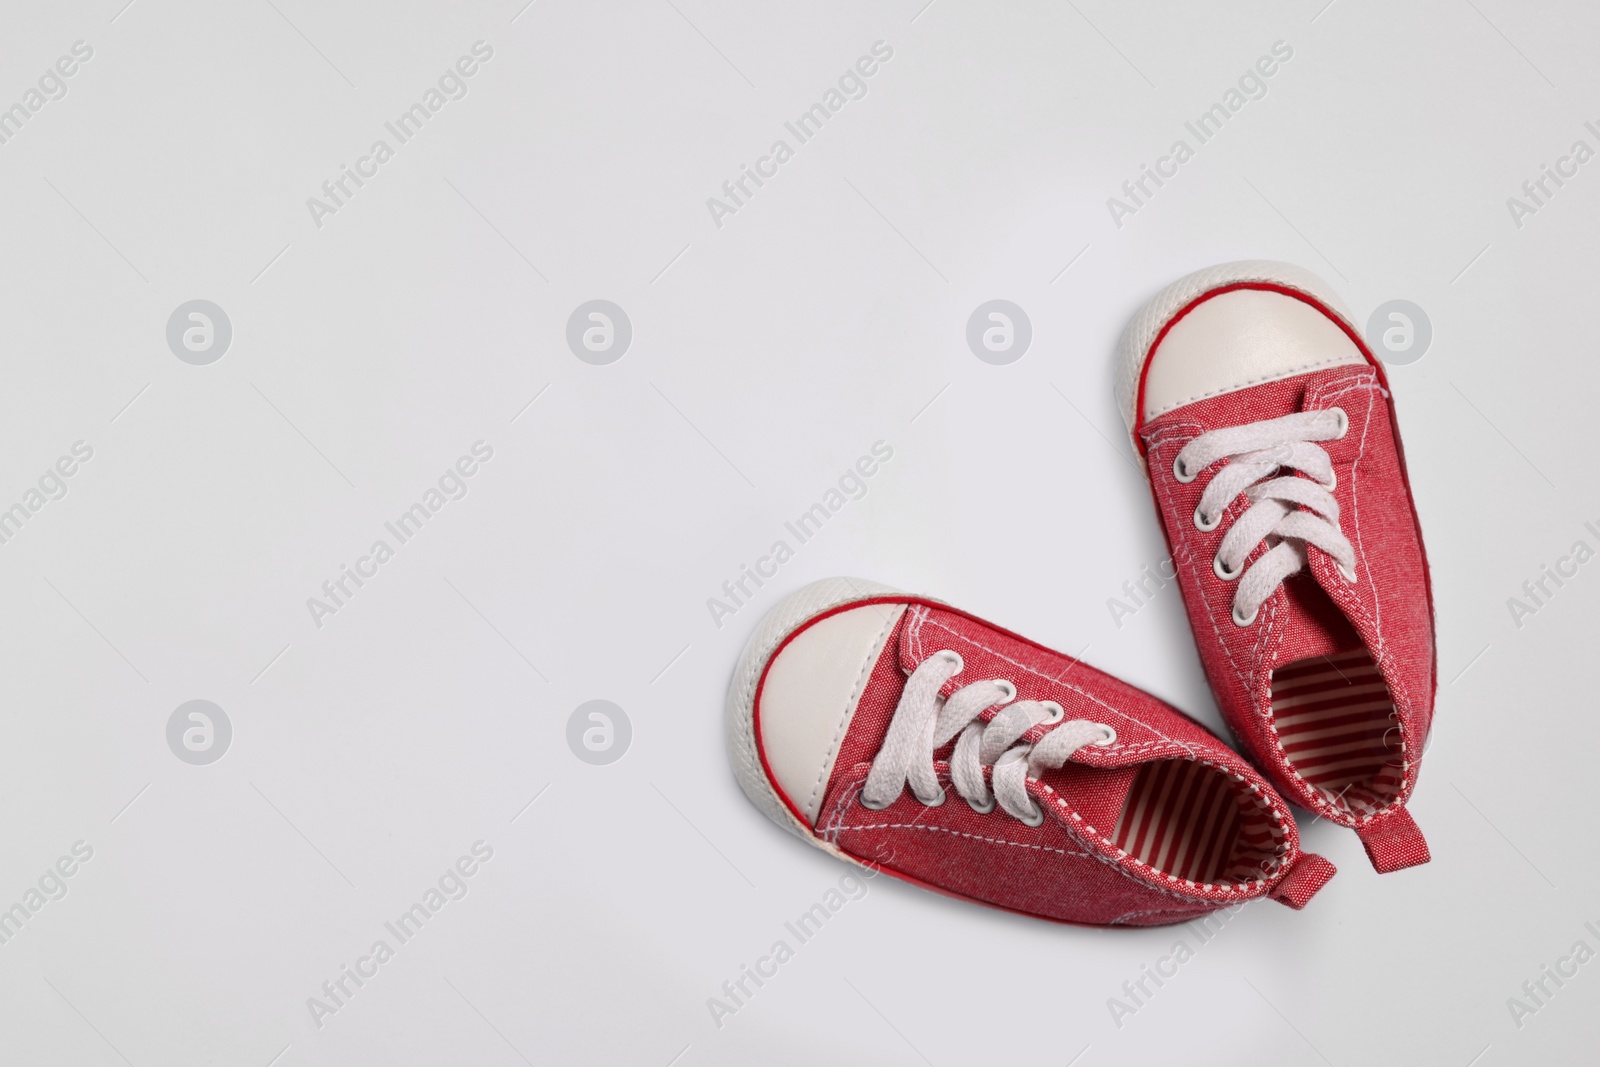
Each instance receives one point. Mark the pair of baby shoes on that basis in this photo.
(904, 735)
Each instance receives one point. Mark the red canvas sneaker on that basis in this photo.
(900, 734)
(1269, 438)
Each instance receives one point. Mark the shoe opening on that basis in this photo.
(1338, 728)
(1191, 821)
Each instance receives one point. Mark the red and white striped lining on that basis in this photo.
(1194, 822)
(1337, 725)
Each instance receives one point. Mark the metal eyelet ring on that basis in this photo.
(1222, 570)
(930, 803)
(981, 809)
(1054, 712)
(1037, 819)
(870, 806)
(1110, 738)
(1237, 621)
(1011, 690)
(1202, 525)
(1344, 421)
(951, 654)
(1179, 472)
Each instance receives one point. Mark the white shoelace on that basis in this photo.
(1290, 512)
(923, 723)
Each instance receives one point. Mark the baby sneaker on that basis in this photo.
(1269, 439)
(898, 733)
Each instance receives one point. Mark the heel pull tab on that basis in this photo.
(1393, 841)
(1300, 882)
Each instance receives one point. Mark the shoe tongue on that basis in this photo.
(1311, 624)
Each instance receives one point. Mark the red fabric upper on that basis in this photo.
(1068, 868)
(1388, 609)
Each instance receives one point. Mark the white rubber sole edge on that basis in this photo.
(792, 611)
(1159, 309)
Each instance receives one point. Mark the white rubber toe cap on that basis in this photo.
(1239, 339)
(1232, 345)
(811, 693)
(814, 695)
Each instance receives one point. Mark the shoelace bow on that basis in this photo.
(923, 723)
(1289, 512)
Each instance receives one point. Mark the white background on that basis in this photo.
(768, 354)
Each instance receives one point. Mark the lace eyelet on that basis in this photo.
(1054, 712)
(1349, 576)
(951, 654)
(1011, 690)
(1344, 422)
(1036, 819)
(1180, 473)
(982, 809)
(1237, 621)
(1110, 738)
(1202, 525)
(1222, 570)
(870, 806)
(931, 803)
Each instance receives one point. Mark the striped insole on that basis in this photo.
(1192, 821)
(1337, 725)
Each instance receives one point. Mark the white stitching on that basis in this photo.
(961, 833)
(914, 632)
(849, 795)
(1122, 919)
(1063, 684)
